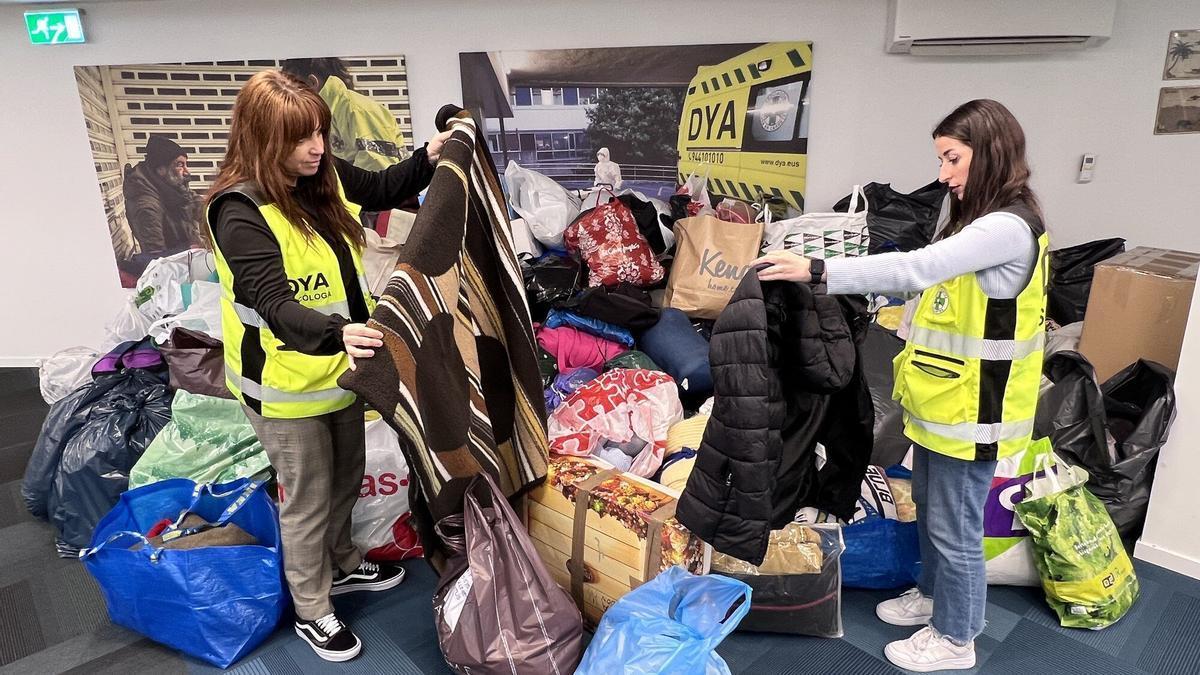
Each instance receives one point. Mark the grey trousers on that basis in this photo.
(319, 462)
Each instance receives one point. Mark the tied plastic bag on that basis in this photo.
(546, 206)
(1086, 573)
(380, 526)
(798, 588)
(215, 603)
(1006, 544)
(671, 624)
(65, 372)
(196, 363)
(619, 407)
(164, 289)
(496, 604)
(208, 440)
(550, 280)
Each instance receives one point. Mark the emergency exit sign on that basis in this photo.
(60, 27)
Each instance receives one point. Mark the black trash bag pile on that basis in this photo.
(897, 221)
(1114, 431)
(88, 444)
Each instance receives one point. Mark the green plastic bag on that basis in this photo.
(1086, 574)
(208, 440)
(632, 359)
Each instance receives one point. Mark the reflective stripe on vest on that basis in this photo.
(250, 317)
(977, 433)
(976, 348)
(271, 395)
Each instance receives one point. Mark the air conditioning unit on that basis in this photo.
(996, 27)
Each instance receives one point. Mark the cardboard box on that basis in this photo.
(626, 527)
(1138, 309)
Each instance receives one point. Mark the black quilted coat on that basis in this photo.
(786, 373)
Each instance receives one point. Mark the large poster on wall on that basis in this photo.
(736, 114)
(158, 134)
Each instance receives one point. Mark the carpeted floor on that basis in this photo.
(52, 618)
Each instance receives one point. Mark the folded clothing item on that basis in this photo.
(675, 346)
(196, 532)
(575, 349)
(592, 326)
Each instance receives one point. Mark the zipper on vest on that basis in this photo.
(931, 355)
(936, 371)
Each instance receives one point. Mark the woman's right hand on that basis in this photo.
(360, 341)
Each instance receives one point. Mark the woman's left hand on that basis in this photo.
(784, 266)
(434, 149)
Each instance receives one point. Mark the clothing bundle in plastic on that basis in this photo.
(215, 603)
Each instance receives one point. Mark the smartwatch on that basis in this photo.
(817, 270)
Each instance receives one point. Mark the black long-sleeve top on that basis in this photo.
(256, 260)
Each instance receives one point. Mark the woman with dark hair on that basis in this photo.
(283, 218)
(968, 377)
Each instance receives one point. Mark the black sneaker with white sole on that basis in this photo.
(367, 577)
(330, 638)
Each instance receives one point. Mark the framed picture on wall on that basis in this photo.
(1178, 111)
(1183, 56)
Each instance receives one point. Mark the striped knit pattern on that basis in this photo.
(458, 375)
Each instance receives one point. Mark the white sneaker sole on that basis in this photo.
(335, 657)
(377, 586)
(897, 620)
(959, 663)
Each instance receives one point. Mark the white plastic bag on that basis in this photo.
(128, 324)
(384, 496)
(160, 288)
(524, 243)
(65, 372)
(546, 206)
(203, 315)
(821, 235)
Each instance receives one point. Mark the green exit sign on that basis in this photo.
(61, 27)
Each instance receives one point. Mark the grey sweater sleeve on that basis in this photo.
(999, 246)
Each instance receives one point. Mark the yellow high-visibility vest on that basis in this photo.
(260, 370)
(969, 375)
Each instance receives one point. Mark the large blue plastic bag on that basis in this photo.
(671, 624)
(214, 603)
(880, 553)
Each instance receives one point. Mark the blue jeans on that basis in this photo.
(950, 494)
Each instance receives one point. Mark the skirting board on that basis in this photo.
(1168, 559)
(20, 361)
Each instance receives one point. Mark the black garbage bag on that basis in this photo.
(877, 352)
(62, 423)
(93, 469)
(1071, 271)
(1114, 431)
(897, 221)
(549, 280)
(647, 219)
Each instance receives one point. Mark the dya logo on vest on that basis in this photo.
(713, 265)
(312, 288)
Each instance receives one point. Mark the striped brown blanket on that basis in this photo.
(458, 376)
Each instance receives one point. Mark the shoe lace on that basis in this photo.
(923, 637)
(330, 624)
(911, 597)
(369, 567)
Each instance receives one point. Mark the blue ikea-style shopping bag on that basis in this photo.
(215, 603)
(671, 624)
(880, 552)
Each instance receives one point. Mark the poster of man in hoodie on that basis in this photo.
(158, 133)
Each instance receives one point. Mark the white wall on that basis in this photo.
(872, 113)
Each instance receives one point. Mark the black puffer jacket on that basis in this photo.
(786, 372)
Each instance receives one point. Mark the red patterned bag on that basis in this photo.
(608, 240)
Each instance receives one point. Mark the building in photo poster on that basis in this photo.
(735, 114)
(158, 134)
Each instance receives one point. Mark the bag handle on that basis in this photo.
(854, 195)
(147, 546)
(173, 531)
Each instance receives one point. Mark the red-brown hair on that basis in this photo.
(274, 112)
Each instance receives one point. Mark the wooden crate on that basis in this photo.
(628, 532)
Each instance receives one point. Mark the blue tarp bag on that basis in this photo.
(671, 624)
(215, 603)
(880, 552)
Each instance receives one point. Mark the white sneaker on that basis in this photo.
(910, 609)
(928, 650)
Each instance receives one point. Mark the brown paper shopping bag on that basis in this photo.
(711, 257)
